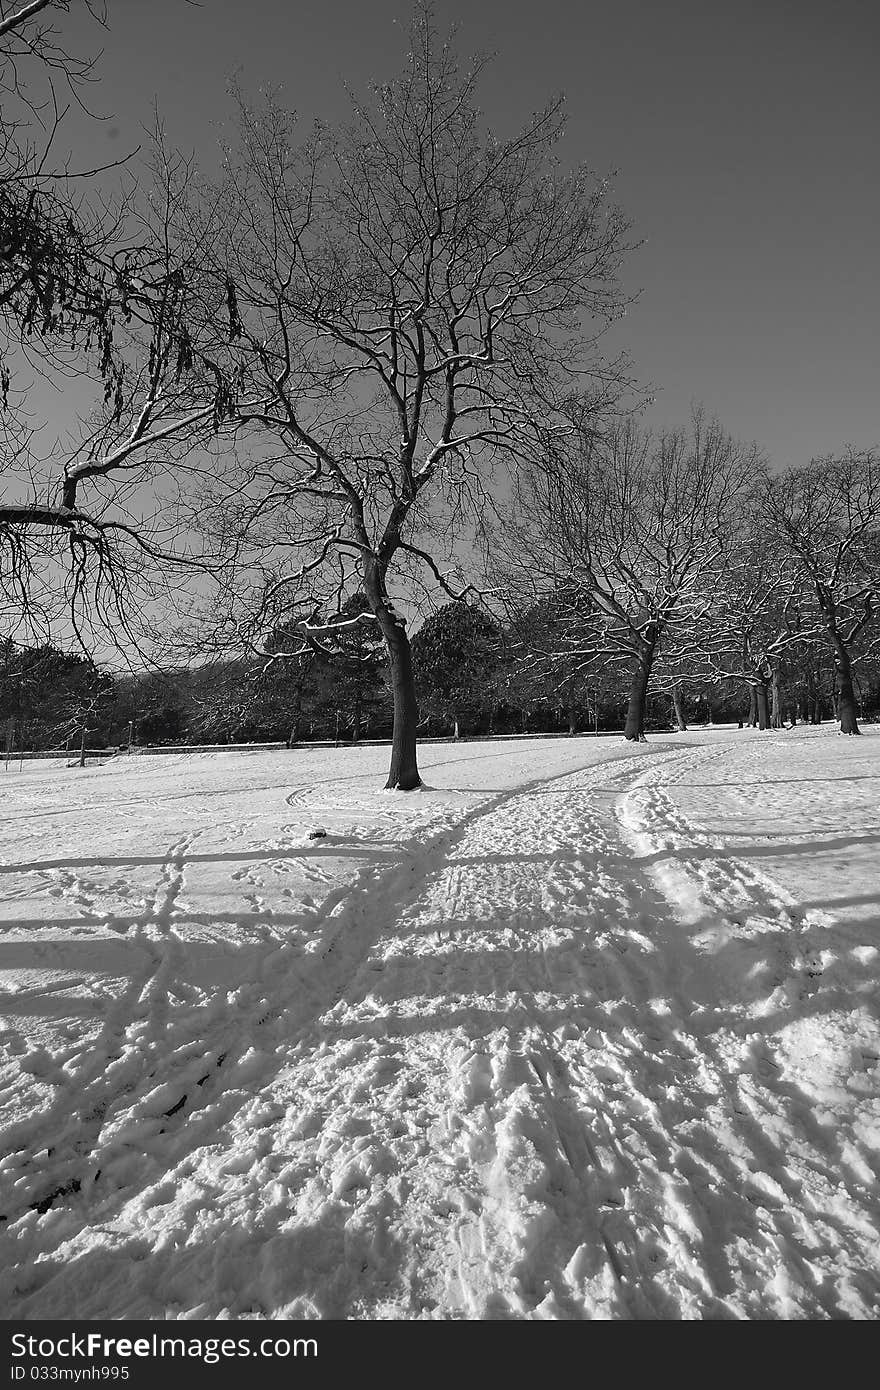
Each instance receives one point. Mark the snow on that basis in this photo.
(583, 1029)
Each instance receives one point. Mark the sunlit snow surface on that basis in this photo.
(585, 1030)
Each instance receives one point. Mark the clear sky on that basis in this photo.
(745, 134)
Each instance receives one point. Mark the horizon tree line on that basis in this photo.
(476, 676)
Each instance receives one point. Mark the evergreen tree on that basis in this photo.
(458, 656)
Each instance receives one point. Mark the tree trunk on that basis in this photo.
(753, 707)
(777, 721)
(572, 718)
(404, 772)
(763, 706)
(634, 730)
(293, 736)
(678, 706)
(455, 730)
(846, 698)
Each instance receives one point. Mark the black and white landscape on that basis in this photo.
(439, 661)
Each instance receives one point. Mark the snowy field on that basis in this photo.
(585, 1030)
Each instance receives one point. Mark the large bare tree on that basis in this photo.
(412, 297)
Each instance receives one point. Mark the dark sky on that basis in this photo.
(745, 135)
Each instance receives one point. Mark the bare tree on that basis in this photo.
(56, 275)
(558, 653)
(95, 522)
(411, 298)
(645, 527)
(828, 517)
(761, 622)
(100, 381)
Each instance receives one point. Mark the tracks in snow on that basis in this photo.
(154, 1067)
(574, 1094)
(510, 1073)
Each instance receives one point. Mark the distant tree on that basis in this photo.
(219, 696)
(88, 706)
(760, 625)
(556, 650)
(827, 515)
(645, 527)
(154, 705)
(282, 689)
(458, 657)
(351, 663)
(51, 696)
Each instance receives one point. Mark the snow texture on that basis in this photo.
(583, 1030)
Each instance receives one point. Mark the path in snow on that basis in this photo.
(550, 1052)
